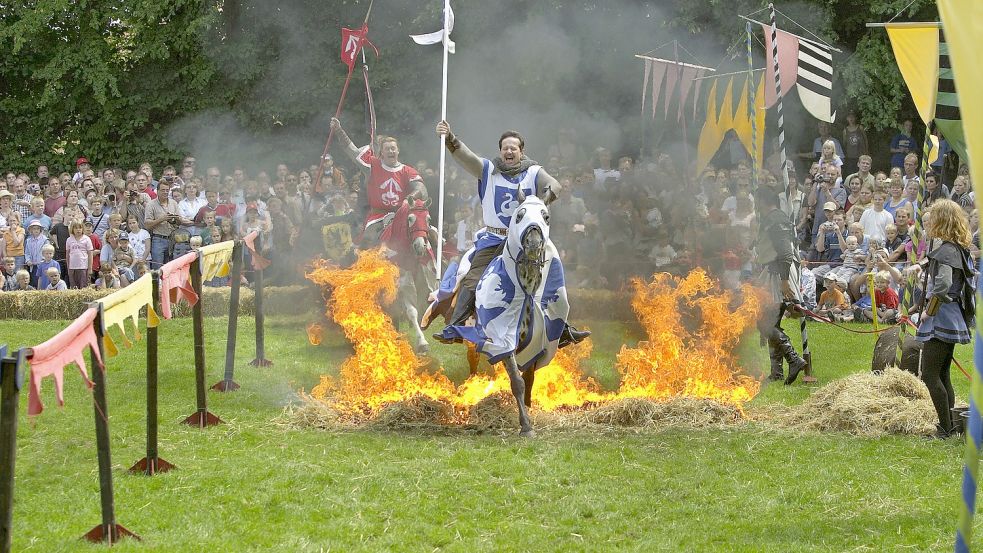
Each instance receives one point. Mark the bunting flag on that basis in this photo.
(437, 36)
(929, 77)
(352, 41)
(215, 259)
(962, 20)
(175, 283)
(808, 65)
(259, 262)
(722, 116)
(124, 304)
(677, 80)
(50, 358)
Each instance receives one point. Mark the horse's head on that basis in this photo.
(529, 232)
(418, 229)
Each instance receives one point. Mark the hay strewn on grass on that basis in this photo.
(866, 404)
(498, 413)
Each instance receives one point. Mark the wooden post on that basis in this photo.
(227, 384)
(201, 417)
(261, 360)
(152, 463)
(108, 531)
(11, 380)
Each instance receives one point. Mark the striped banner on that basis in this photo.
(815, 79)
(948, 117)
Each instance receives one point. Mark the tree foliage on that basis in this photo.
(124, 81)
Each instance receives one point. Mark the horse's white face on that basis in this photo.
(531, 213)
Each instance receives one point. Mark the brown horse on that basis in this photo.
(410, 237)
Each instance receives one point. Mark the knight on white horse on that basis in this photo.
(521, 303)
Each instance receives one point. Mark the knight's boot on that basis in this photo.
(795, 362)
(571, 335)
(777, 370)
(462, 310)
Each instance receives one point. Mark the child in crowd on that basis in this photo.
(54, 280)
(853, 257)
(832, 302)
(47, 262)
(23, 281)
(97, 217)
(829, 157)
(139, 269)
(139, 239)
(8, 271)
(662, 253)
(37, 213)
(195, 242)
(123, 257)
(886, 298)
(107, 279)
(80, 252)
(13, 239)
(32, 250)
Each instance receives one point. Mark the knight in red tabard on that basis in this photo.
(388, 184)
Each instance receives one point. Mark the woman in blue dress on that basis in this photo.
(950, 309)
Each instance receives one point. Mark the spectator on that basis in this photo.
(828, 241)
(832, 302)
(161, 219)
(817, 144)
(884, 296)
(863, 171)
(13, 239)
(107, 279)
(21, 199)
(902, 144)
(32, 248)
(124, 257)
(80, 256)
(37, 214)
(70, 211)
(98, 217)
(897, 200)
(54, 280)
(961, 193)
(828, 157)
(910, 169)
(8, 274)
(933, 190)
(854, 141)
(23, 280)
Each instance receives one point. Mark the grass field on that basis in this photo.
(252, 485)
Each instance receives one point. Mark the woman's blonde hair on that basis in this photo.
(949, 222)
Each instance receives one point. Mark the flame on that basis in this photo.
(677, 359)
(314, 334)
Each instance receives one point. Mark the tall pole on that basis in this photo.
(679, 81)
(806, 354)
(752, 110)
(11, 378)
(443, 149)
(337, 113)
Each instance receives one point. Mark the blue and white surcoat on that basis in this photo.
(499, 198)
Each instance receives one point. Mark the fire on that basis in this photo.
(314, 334)
(677, 360)
(681, 356)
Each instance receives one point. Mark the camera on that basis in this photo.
(112, 197)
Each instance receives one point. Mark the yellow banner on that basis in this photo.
(916, 49)
(124, 304)
(215, 259)
(962, 20)
(711, 136)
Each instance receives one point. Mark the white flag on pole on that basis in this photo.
(436, 36)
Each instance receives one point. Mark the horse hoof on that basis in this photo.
(423, 349)
(528, 433)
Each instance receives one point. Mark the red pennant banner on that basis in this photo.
(352, 41)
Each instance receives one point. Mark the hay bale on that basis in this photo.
(678, 411)
(497, 411)
(414, 413)
(310, 413)
(895, 402)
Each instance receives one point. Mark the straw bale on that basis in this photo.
(413, 413)
(895, 402)
(677, 411)
(497, 411)
(310, 413)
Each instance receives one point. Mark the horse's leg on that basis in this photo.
(519, 391)
(407, 295)
(528, 377)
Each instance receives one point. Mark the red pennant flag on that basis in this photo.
(352, 41)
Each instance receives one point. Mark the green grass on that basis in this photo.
(251, 485)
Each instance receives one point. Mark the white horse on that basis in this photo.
(521, 304)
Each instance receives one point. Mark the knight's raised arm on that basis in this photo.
(464, 156)
(549, 187)
(350, 147)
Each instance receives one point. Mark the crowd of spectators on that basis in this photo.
(615, 217)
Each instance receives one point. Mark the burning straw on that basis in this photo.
(684, 373)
